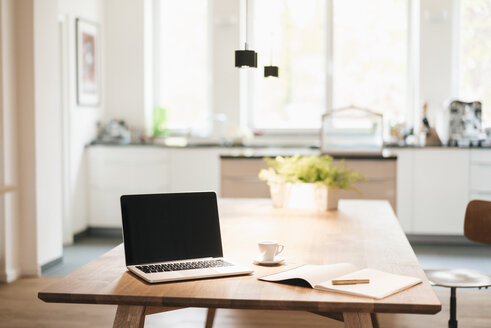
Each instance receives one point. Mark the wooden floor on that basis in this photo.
(19, 307)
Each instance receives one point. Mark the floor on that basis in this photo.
(473, 305)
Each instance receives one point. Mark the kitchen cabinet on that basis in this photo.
(239, 179)
(117, 170)
(480, 174)
(381, 180)
(433, 190)
(195, 169)
(429, 188)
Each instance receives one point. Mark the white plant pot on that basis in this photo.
(310, 196)
(280, 193)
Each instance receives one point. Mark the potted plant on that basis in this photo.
(307, 181)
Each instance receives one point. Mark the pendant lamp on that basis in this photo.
(245, 58)
(271, 71)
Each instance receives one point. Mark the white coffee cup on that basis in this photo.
(269, 249)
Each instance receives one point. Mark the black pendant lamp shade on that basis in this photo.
(271, 70)
(245, 58)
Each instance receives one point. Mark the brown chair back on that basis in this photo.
(477, 224)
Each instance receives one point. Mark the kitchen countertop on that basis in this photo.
(260, 151)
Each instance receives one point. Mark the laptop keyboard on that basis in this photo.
(152, 268)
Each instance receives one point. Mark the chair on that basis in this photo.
(477, 227)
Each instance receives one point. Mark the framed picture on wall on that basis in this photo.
(88, 63)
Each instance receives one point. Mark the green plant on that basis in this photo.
(310, 169)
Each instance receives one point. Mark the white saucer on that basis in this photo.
(277, 260)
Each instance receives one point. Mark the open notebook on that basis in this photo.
(382, 284)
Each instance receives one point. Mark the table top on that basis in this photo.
(365, 233)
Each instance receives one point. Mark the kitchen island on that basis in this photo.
(429, 187)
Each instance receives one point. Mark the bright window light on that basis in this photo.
(182, 66)
(291, 33)
(370, 55)
(475, 55)
(369, 60)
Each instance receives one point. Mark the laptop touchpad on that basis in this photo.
(197, 272)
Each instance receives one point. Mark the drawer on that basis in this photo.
(481, 155)
(241, 167)
(385, 190)
(373, 169)
(481, 196)
(244, 188)
(122, 175)
(105, 207)
(108, 156)
(480, 176)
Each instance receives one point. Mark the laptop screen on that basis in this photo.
(166, 227)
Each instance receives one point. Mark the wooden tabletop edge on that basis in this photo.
(243, 304)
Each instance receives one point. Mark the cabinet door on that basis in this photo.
(119, 170)
(239, 178)
(380, 183)
(441, 191)
(195, 170)
(480, 172)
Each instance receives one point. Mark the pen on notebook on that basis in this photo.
(351, 281)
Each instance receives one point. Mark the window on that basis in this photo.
(366, 66)
(370, 55)
(475, 55)
(182, 69)
(293, 34)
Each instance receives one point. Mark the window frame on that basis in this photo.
(412, 76)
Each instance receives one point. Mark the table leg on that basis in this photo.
(374, 320)
(357, 320)
(131, 316)
(210, 317)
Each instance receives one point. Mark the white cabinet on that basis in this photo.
(441, 191)
(117, 170)
(195, 170)
(480, 174)
(433, 190)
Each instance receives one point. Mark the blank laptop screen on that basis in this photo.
(166, 227)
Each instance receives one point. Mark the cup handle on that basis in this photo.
(280, 249)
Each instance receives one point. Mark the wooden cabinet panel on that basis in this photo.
(239, 178)
(381, 180)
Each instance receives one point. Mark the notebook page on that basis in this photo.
(382, 284)
(313, 274)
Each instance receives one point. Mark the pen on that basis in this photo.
(351, 282)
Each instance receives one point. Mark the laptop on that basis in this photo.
(174, 236)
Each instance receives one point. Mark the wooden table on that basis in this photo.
(365, 233)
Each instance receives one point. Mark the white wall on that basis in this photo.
(31, 217)
(225, 40)
(438, 19)
(24, 52)
(9, 206)
(79, 121)
(124, 62)
(48, 131)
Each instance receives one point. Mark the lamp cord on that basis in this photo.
(246, 9)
